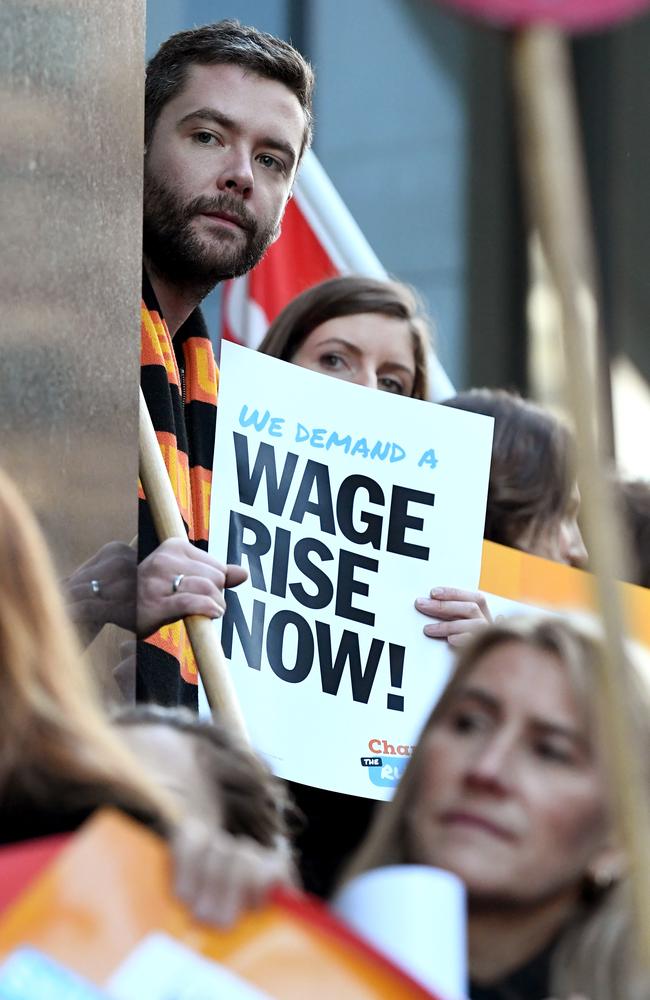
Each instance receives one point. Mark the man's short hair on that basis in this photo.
(231, 43)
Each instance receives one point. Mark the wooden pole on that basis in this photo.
(168, 522)
(554, 180)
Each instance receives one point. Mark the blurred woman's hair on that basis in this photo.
(253, 802)
(595, 954)
(59, 756)
(531, 473)
(351, 295)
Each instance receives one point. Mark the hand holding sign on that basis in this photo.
(459, 613)
(179, 579)
(220, 876)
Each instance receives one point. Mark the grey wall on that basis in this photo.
(71, 105)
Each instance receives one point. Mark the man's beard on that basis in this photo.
(188, 261)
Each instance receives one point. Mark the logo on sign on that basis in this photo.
(386, 771)
(390, 772)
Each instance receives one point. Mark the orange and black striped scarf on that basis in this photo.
(179, 379)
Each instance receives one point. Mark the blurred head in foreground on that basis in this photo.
(213, 778)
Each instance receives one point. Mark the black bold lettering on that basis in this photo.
(280, 569)
(345, 507)
(251, 638)
(346, 586)
(254, 550)
(315, 473)
(400, 521)
(275, 646)
(249, 482)
(361, 678)
(325, 588)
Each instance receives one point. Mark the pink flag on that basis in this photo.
(575, 15)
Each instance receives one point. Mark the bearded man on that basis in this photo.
(227, 119)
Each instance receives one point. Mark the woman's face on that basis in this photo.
(510, 795)
(560, 540)
(368, 349)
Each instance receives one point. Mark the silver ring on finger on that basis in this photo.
(176, 583)
(96, 588)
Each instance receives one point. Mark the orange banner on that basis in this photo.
(109, 889)
(518, 576)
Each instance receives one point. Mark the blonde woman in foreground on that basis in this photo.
(507, 788)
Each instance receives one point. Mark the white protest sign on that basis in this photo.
(345, 504)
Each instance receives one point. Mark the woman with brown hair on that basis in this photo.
(363, 330)
(508, 789)
(532, 503)
(533, 500)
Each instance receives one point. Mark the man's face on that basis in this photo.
(218, 173)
